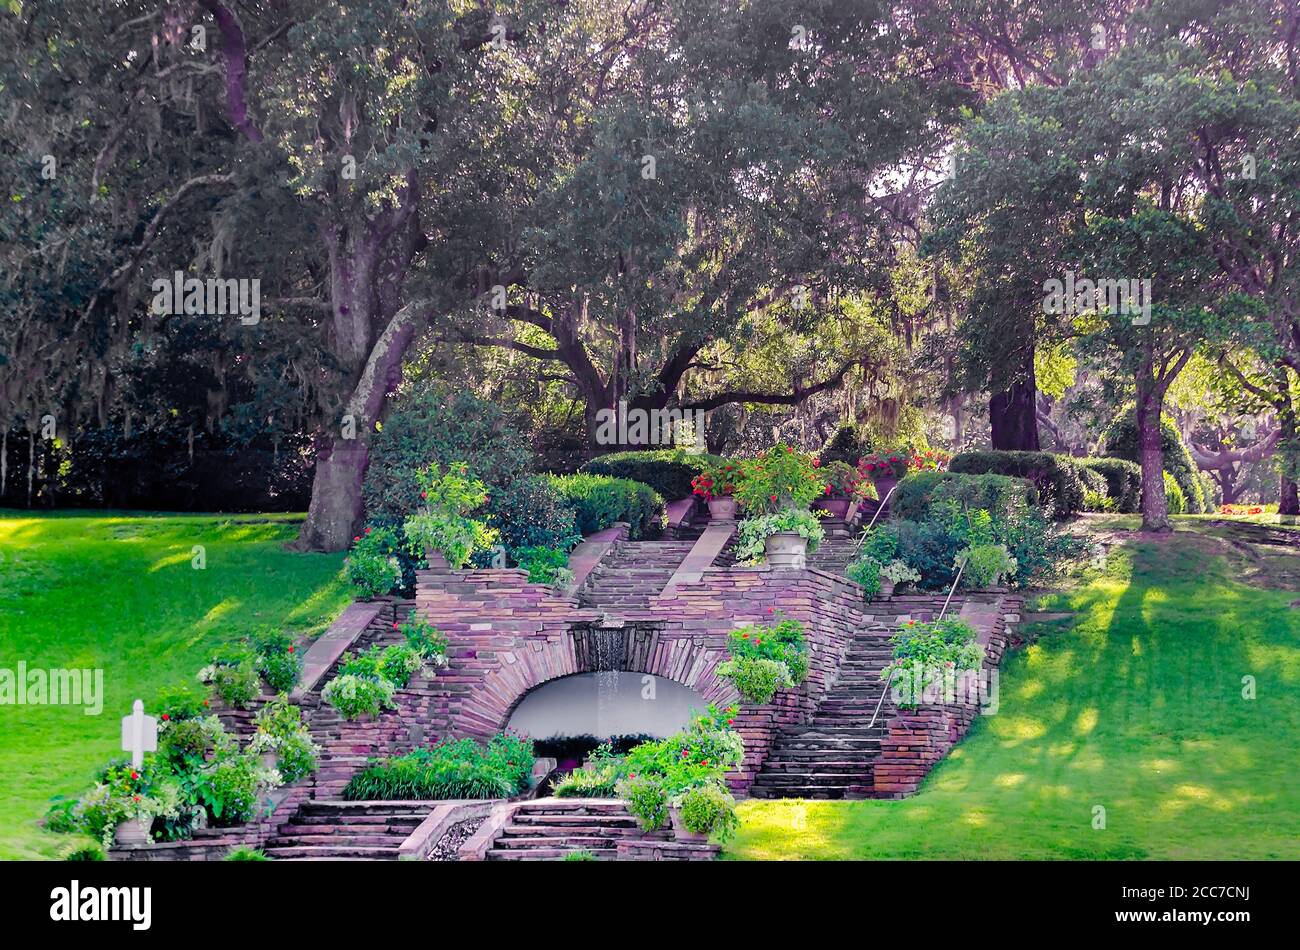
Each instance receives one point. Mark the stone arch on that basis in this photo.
(591, 648)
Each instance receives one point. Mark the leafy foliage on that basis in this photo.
(667, 471)
(601, 500)
(754, 532)
(454, 768)
(1056, 477)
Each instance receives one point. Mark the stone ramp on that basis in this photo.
(631, 574)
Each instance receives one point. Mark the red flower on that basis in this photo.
(205, 702)
(817, 463)
(730, 721)
(771, 610)
(357, 538)
(774, 498)
(135, 775)
(165, 717)
(135, 798)
(367, 531)
(290, 649)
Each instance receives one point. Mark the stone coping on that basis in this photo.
(703, 553)
(430, 831)
(330, 645)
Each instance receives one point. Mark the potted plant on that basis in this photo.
(775, 490)
(842, 482)
(894, 575)
(783, 539)
(716, 484)
(703, 811)
(884, 469)
(443, 531)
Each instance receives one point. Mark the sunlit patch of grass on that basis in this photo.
(1136, 706)
(119, 593)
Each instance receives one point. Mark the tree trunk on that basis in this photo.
(1013, 413)
(1155, 512)
(1288, 502)
(336, 510)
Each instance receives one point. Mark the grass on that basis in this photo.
(1135, 707)
(118, 592)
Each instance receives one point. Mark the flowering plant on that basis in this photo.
(778, 479)
(926, 653)
(1241, 509)
(884, 465)
(842, 480)
(444, 524)
(930, 460)
(754, 532)
(716, 480)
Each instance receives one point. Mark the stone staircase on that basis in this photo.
(549, 828)
(632, 573)
(354, 831)
(834, 554)
(832, 756)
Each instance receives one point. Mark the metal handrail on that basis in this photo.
(951, 590)
(879, 508)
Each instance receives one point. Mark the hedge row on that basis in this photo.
(599, 501)
(667, 471)
(997, 494)
(1057, 478)
(1123, 481)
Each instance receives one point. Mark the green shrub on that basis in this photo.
(280, 729)
(847, 444)
(986, 565)
(751, 538)
(87, 851)
(541, 563)
(437, 426)
(755, 678)
(601, 500)
(278, 661)
(1123, 481)
(373, 565)
(1093, 481)
(531, 512)
(243, 852)
(1060, 487)
(230, 788)
(179, 702)
(1175, 500)
(647, 800)
(443, 523)
(233, 675)
(933, 648)
(356, 696)
(424, 638)
(579, 854)
(1121, 441)
(667, 471)
(596, 780)
(866, 572)
(459, 768)
(778, 480)
(995, 494)
(709, 810)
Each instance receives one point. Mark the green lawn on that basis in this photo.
(118, 592)
(1135, 705)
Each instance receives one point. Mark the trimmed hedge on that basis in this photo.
(847, 444)
(1175, 500)
(995, 494)
(667, 471)
(1122, 442)
(600, 500)
(1123, 481)
(1056, 477)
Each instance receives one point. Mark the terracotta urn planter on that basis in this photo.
(837, 508)
(682, 833)
(131, 833)
(786, 550)
(884, 485)
(722, 508)
(886, 587)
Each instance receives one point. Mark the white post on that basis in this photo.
(139, 734)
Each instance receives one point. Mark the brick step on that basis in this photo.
(401, 809)
(831, 794)
(338, 840)
(561, 831)
(545, 854)
(333, 852)
(603, 821)
(809, 779)
(319, 825)
(819, 767)
(571, 806)
(586, 842)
